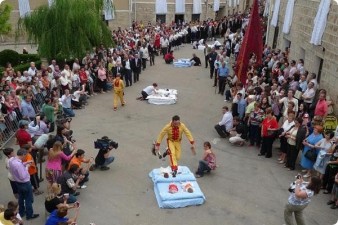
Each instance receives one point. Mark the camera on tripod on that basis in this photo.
(105, 143)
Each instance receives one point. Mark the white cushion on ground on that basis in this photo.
(163, 97)
(182, 63)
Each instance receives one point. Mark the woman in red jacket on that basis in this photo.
(269, 127)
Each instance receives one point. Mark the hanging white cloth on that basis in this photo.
(108, 10)
(161, 7)
(274, 19)
(24, 8)
(288, 16)
(320, 22)
(230, 3)
(267, 8)
(180, 6)
(216, 5)
(237, 2)
(197, 7)
(50, 2)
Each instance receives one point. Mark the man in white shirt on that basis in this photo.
(79, 98)
(164, 45)
(32, 70)
(309, 94)
(225, 125)
(148, 91)
(285, 101)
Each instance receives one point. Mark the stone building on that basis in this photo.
(321, 59)
(127, 11)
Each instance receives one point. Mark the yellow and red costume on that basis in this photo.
(118, 91)
(174, 137)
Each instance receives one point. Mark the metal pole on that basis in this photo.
(268, 25)
(135, 10)
(130, 10)
(206, 10)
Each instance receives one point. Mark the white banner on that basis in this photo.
(266, 8)
(24, 8)
(230, 3)
(161, 7)
(197, 7)
(237, 2)
(180, 7)
(274, 19)
(320, 22)
(216, 5)
(288, 16)
(50, 2)
(108, 10)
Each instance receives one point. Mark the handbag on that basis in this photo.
(311, 155)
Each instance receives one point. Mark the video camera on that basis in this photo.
(105, 143)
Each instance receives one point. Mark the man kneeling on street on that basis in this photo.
(238, 133)
(225, 125)
(102, 159)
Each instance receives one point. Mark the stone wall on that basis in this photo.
(125, 13)
(300, 35)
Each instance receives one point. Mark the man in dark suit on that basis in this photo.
(118, 69)
(136, 67)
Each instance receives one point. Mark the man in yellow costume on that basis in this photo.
(174, 131)
(118, 86)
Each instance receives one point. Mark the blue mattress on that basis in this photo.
(181, 198)
(182, 63)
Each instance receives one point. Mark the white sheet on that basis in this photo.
(180, 6)
(161, 7)
(216, 5)
(274, 19)
(50, 2)
(288, 16)
(24, 8)
(108, 10)
(320, 22)
(267, 8)
(163, 97)
(182, 63)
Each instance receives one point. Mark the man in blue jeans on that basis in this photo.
(223, 73)
(22, 178)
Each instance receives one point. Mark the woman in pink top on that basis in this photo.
(102, 78)
(321, 106)
(54, 162)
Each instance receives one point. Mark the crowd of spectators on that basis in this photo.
(280, 101)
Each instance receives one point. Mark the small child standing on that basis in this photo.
(32, 170)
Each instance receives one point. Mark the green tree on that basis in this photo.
(5, 12)
(67, 29)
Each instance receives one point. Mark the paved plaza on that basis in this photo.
(244, 190)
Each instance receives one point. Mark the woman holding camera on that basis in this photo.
(299, 200)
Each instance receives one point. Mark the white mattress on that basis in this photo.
(163, 97)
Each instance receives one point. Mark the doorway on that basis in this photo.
(195, 17)
(179, 18)
(160, 18)
(275, 37)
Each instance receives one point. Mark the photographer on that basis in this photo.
(102, 159)
(299, 199)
